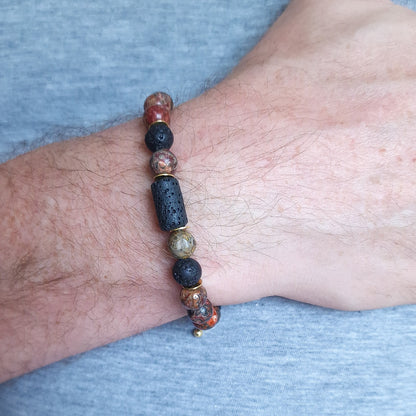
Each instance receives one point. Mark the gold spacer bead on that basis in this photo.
(197, 333)
(162, 175)
(179, 229)
(157, 121)
(194, 287)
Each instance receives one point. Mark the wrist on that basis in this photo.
(227, 150)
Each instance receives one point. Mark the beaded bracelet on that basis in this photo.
(171, 214)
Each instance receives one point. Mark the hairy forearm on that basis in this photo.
(82, 263)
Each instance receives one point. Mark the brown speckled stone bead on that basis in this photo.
(163, 161)
(193, 298)
(181, 244)
(156, 113)
(205, 317)
(158, 98)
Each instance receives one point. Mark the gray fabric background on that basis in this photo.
(71, 67)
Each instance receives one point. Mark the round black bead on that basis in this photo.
(187, 272)
(159, 136)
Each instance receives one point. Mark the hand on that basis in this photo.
(308, 161)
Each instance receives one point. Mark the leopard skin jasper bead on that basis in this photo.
(181, 244)
(214, 319)
(156, 113)
(206, 317)
(163, 161)
(193, 298)
(187, 272)
(158, 98)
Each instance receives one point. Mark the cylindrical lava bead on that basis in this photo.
(168, 200)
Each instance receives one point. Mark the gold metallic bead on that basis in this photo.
(179, 228)
(197, 333)
(196, 286)
(162, 175)
(157, 121)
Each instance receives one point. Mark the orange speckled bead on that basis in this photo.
(156, 113)
(163, 161)
(193, 298)
(158, 98)
(205, 317)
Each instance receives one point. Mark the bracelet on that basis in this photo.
(171, 214)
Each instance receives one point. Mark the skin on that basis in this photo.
(298, 173)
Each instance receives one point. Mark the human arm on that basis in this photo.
(287, 186)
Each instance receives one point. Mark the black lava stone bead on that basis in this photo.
(170, 209)
(159, 136)
(187, 272)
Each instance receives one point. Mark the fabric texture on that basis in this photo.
(72, 67)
